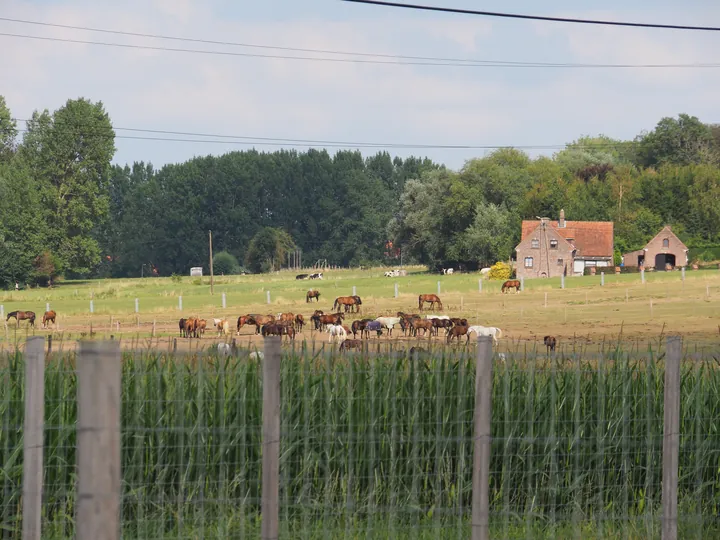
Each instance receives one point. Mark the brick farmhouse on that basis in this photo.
(554, 248)
(664, 251)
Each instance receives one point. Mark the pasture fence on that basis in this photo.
(308, 442)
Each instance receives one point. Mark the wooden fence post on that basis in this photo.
(271, 440)
(33, 430)
(671, 438)
(482, 443)
(98, 441)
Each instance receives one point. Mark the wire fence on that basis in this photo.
(360, 444)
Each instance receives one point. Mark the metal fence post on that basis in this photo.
(671, 438)
(98, 441)
(33, 430)
(271, 439)
(482, 442)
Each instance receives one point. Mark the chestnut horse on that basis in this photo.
(48, 317)
(432, 299)
(509, 284)
(348, 302)
(22, 316)
(312, 294)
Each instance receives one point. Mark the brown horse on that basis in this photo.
(22, 316)
(260, 320)
(312, 294)
(417, 324)
(432, 299)
(348, 302)
(351, 344)
(48, 317)
(511, 283)
(550, 342)
(457, 331)
(299, 322)
(200, 327)
(191, 327)
(182, 327)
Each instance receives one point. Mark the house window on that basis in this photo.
(528, 262)
(589, 263)
(553, 244)
(560, 262)
(666, 242)
(535, 243)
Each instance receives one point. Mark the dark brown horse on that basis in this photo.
(432, 299)
(312, 294)
(48, 317)
(299, 322)
(550, 342)
(182, 327)
(260, 320)
(348, 302)
(351, 344)
(457, 331)
(22, 316)
(509, 284)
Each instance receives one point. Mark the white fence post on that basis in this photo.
(438, 287)
(98, 441)
(137, 306)
(223, 300)
(33, 431)
(671, 438)
(602, 279)
(562, 281)
(92, 307)
(2, 311)
(180, 303)
(682, 273)
(396, 290)
(479, 285)
(522, 283)
(482, 444)
(354, 291)
(267, 295)
(642, 276)
(47, 306)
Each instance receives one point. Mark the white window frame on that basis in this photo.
(535, 243)
(555, 242)
(526, 262)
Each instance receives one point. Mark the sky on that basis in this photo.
(240, 96)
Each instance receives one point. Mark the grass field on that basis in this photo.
(584, 311)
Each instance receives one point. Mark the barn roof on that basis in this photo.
(590, 238)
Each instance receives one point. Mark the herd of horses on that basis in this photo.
(288, 324)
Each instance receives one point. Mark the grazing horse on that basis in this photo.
(301, 276)
(48, 317)
(312, 293)
(336, 331)
(486, 331)
(388, 322)
(550, 342)
(22, 316)
(190, 326)
(351, 344)
(260, 320)
(200, 327)
(441, 323)
(182, 328)
(509, 284)
(373, 326)
(416, 324)
(359, 326)
(348, 302)
(432, 299)
(242, 321)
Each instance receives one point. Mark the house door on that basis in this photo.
(578, 267)
(663, 258)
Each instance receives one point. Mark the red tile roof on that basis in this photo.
(590, 238)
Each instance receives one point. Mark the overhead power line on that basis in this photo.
(249, 140)
(355, 57)
(536, 17)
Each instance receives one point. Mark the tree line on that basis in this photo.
(68, 211)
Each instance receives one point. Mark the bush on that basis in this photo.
(175, 278)
(225, 263)
(499, 270)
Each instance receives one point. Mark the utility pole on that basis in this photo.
(211, 268)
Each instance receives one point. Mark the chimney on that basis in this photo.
(561, 221)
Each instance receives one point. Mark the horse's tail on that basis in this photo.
(336, 304)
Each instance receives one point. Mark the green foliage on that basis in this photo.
(193, 430)
(176, 278)
(8, 132)
(500, 270)
(268, 250)
(225, 263)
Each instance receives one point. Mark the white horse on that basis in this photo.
(223, 326)
(388, 322)
(336, 330)
(441, 317)
(486, 331)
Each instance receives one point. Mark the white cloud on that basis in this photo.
(342, 101)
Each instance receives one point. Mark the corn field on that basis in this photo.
(382, 446)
